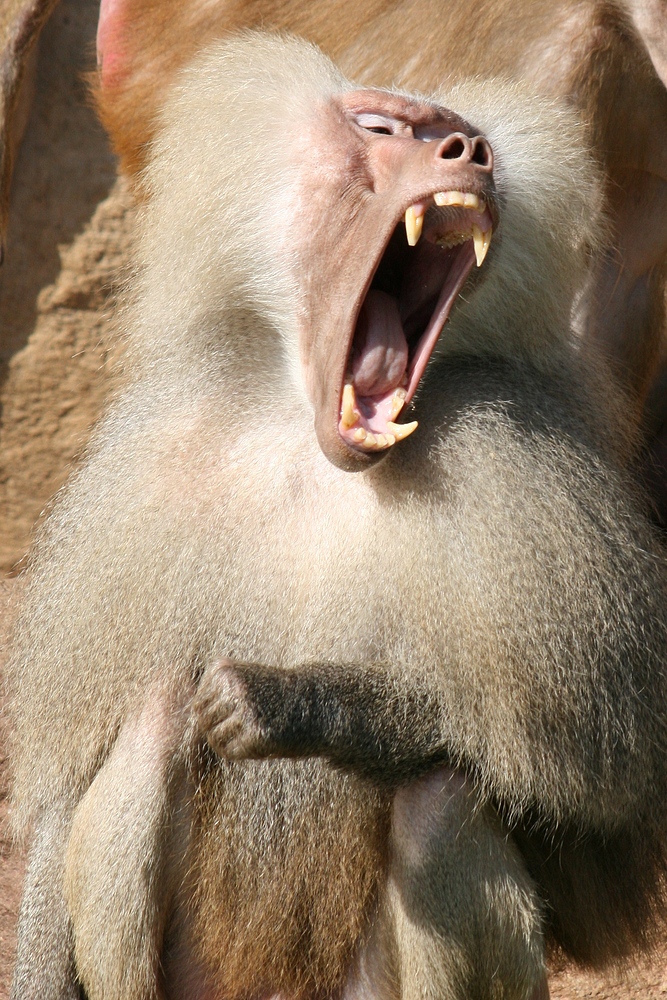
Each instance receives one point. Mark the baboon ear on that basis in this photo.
(141, 44)
(20, 24)
(124, 89)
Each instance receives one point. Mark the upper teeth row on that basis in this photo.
(461, 199)
(414, 219)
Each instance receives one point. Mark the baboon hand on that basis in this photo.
(225, 712)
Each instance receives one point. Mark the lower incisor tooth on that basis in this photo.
(369, 441)
(401, 431)
(359, 434)
(380, 440)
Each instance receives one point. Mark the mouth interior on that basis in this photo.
(399, 323)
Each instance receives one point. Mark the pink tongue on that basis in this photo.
(380, 348)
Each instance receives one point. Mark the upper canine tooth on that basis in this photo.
(349, 412)
(413, 225)
(442, 198)
(401, 431)
(481, 241)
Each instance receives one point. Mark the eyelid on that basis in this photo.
(373, 121)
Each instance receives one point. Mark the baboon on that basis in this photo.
(450, 750)
(607, 58)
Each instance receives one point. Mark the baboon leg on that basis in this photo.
(44, 968)
(460, 919)
(128, 834)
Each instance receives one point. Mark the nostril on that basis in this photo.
(481, 152)
(454, 149)
(459, 146)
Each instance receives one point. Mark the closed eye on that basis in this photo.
(381, 124)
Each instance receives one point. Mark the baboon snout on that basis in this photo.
(459, 146)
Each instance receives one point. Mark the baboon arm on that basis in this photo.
(358, 719)
(391, 727)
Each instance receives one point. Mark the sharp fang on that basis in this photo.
(349, 412)
(360, 434)
(482, 242)
(413, 225)
(442, 198)
(397, 403)
(401, 431)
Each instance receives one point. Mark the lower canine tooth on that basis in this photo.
(413, 225)
(401, 431)
(482, 242)
(397, 403)
(349, 412)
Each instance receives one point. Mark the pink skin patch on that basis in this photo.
(401, 319)
(110, 49)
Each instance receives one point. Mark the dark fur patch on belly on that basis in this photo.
(286, 862)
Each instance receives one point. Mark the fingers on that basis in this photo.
(225, 716)
(220, 692)
(235, 739)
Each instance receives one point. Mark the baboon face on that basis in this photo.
(395, 205)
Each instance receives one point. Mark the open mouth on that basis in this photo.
(422, 270)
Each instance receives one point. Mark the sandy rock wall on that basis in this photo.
(70, 220)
